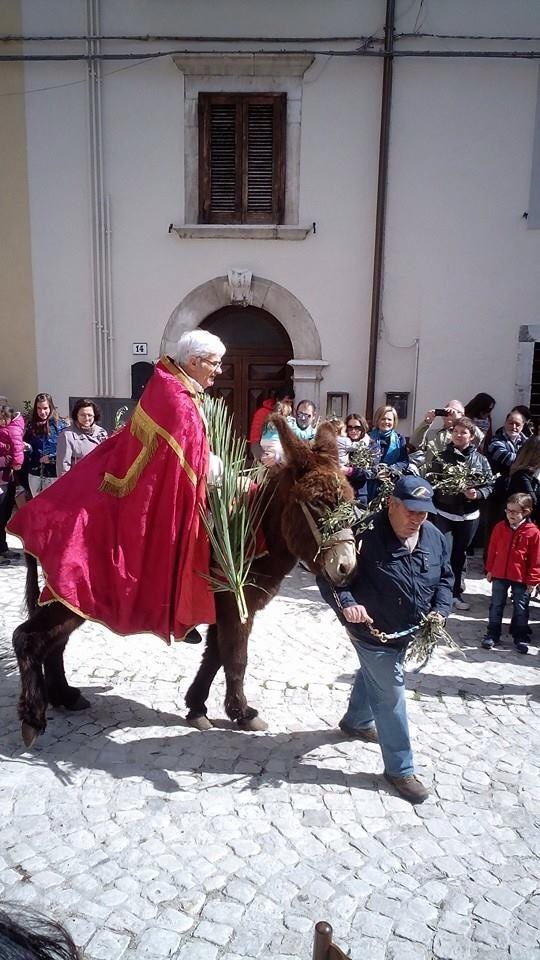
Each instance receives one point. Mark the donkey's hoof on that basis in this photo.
(29, 734)
(71, 703)
(81, 703)
(200, 723)
(255, 724)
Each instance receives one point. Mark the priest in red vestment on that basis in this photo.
(120, 537)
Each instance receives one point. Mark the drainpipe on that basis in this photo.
(380, 219)
(101, 240)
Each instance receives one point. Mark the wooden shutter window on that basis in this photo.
(242, 158)
(223, 141)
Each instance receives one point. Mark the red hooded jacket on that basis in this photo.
(257, 421)
(515, 554)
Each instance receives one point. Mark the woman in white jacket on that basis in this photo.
(83, 436)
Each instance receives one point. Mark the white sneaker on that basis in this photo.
(460, 604)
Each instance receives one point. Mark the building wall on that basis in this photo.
(461, 270)
(18, 373)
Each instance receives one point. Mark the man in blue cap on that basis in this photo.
(403, 571)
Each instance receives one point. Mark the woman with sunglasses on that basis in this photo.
(356, 434)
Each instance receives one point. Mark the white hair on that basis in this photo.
(196, 343)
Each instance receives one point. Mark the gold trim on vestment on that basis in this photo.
(147, 431)
(196, 395)
(56, 598)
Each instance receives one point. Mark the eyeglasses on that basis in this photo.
(353, 426)
(215, 364)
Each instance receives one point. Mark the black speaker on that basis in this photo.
(140, 375)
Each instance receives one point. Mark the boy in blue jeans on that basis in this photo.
(513, 563)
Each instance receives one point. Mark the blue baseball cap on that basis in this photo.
(415, 493)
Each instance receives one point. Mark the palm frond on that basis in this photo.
(235, 507)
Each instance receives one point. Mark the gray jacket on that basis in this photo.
(74, 444)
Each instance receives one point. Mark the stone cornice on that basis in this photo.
(241, 231)
(243, 64)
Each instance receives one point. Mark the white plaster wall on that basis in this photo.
(58, 186)
(461, 269)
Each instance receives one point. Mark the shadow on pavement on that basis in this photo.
(433, 684)
(111, 736)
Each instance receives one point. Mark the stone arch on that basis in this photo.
(277, 300)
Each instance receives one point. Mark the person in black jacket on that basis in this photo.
(525, 475)
(458, 514)
(403, 571)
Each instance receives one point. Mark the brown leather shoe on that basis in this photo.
(369, 734)
(409, 787)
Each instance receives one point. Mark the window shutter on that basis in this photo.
(223, 157)
(259, 174)
(264, 161)
(220, 143)
(241, 158)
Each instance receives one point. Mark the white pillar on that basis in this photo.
(307, 380)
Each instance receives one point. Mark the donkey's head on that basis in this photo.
(316, 516)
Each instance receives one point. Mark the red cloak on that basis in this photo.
(119, 537)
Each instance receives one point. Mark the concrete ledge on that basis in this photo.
(241, 231)
(225, 64)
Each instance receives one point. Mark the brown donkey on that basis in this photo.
(310, 483)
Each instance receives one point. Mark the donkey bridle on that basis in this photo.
(329, 543)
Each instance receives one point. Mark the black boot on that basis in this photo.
(193, 636)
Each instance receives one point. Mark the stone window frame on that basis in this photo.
(243, 73)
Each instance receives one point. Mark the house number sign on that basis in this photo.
(140, 349)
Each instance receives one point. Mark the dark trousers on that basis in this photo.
(7, 502)
(519, 628)
(458, 534)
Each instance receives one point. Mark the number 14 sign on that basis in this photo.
(140, 349)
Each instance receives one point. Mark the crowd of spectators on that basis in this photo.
(501, 463)
(33, 453)
(498, 464)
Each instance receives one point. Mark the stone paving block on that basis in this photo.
(490, 933)
(405, 950)
(493, 913)
(80, 929)
(531, 914)
(198, 950)
(223, 911)
(450, 947)
(455, 923)
(411, 929)
(47, 879)
(373, 925)
(158, 942)
(241, 890)
(520, 952)
(421, 909)
(218, 933)
(161, 892)
(107, 945)
(504, 896)
(434, 890)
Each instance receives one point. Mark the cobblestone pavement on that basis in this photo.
(150, 839)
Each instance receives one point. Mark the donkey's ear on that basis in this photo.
(325, 441)
(297, 453)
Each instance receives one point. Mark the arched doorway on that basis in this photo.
(258, 351)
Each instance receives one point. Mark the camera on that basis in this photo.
(441, 412)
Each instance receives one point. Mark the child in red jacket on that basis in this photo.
(513, 563)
